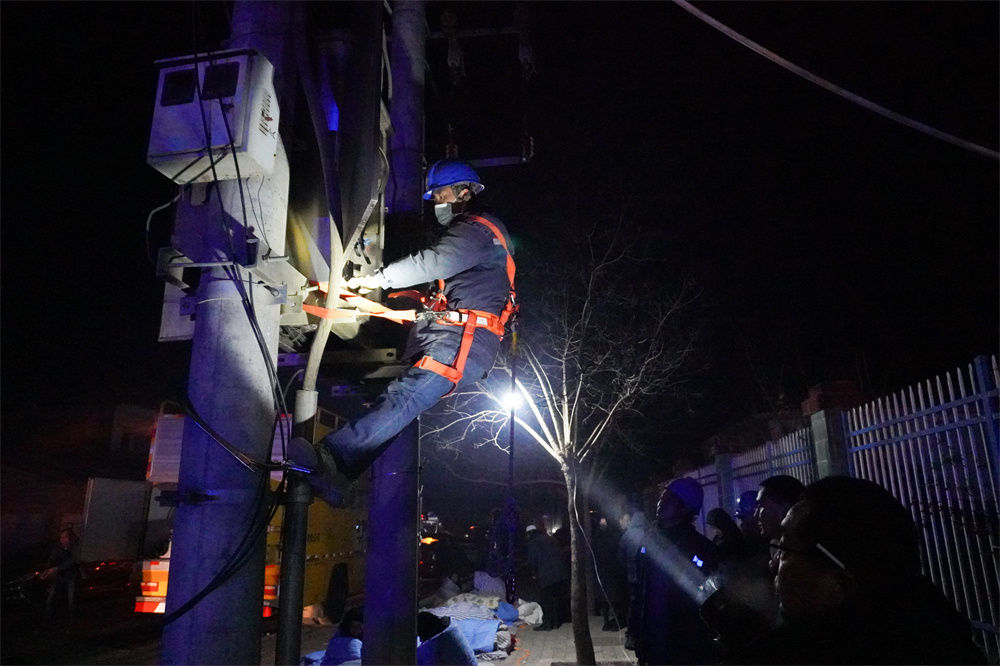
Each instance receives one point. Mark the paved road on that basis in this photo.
(105, 631)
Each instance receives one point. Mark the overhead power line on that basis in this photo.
(834, 88)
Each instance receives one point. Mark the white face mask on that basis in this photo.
(444, 214)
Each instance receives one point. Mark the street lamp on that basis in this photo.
(511, 401)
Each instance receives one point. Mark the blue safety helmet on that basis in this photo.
(688, 491)
(451, 172)
(746, 504)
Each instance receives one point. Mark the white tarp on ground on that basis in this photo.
(470, 609)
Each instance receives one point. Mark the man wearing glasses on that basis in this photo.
(746, 607)
(850, 586)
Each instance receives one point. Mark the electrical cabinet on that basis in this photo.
(215, 116)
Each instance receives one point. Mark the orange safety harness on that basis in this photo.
(468, 319)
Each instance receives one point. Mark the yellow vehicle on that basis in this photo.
(335, 541)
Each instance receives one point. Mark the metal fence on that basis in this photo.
(724, 480)
(708, 477)
(934, 446)
(793, 454)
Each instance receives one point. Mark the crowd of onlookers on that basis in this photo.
(827, 573)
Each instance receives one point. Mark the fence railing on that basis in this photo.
(793, 454)
(729, 476)
(934, 446)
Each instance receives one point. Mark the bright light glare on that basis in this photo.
(511, 400)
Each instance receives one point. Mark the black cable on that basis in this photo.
(188, 166)
(251, 314)
(211, 164)
(258, 217)
(244, 550)
(239, 176)
(247, 300)
(250, 463)
(234, 275)
(240, 555)
(291, 380)
(282, 428)
(834, 88)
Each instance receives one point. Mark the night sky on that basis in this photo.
(829, 242)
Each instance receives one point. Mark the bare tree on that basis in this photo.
(602, 342)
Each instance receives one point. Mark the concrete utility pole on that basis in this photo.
(230, 386)
(391, 569)
(407, 61)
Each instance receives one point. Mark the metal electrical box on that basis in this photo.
(214, 110)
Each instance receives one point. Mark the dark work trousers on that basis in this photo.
(61, 594)
(633, 614)
(358, 443)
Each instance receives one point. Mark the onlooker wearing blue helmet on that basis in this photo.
(746, 605)
(746, 505)
(474, 271)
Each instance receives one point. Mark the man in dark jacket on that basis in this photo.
(456, 346)
(635, 524)
(850, 586)
(671, 566)
(60, 571)
(610, 584)
(548, 567)
(746, 606)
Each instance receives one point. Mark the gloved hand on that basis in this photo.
(365, 283)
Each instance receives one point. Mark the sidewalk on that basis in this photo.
(555, 648)
(134, 640)
(532, 648)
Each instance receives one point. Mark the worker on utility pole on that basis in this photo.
(454, 343)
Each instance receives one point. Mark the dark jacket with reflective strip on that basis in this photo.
(673, 562)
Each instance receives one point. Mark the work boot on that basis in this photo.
(327, 482)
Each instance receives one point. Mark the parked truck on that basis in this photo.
(335, 542)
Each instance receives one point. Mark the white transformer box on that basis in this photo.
(193, 93)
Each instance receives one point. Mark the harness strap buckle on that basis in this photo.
(456, 370)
